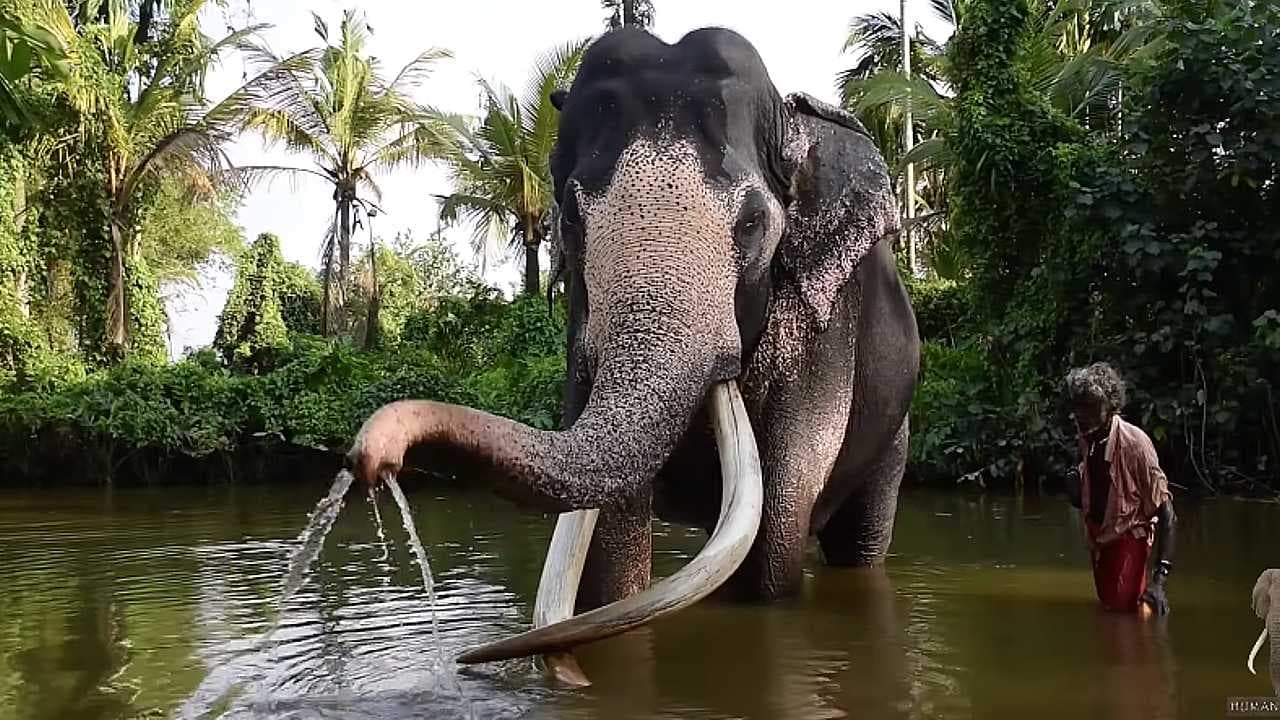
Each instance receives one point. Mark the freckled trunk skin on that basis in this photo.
(606, 460)
(619, 563)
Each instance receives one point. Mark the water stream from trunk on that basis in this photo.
(311, 539)
(448, 671)
(421, 555)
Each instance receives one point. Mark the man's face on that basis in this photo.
(1090, 415)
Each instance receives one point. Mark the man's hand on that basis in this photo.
(1155, 595)
(1071, 484)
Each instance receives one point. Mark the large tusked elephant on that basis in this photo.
(716, 238)
(1266, 603)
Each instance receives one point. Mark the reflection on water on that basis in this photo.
(135, 603)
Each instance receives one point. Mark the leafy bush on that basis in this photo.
(316, 394)
(251, 329)
(943, 309)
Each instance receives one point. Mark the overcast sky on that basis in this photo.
(800, 42)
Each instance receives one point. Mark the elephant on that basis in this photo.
(734, 310)
(1266, 603)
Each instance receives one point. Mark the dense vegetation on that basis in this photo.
(1098, 180)
(1143, 234)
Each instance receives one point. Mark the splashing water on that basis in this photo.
(377, 524)
(421, 555)
(406, 516)
(311, 539)
(223, 683)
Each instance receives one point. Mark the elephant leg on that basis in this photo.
(802, 442)
(859, 533)
(774, 566)
(619, 561)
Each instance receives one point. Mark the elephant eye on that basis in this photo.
(751, 224)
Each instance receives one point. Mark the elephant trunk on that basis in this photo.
(640, 404)
(629, 427)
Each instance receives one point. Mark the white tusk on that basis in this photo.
(740, 508)
(1254, 652)
(558, 587)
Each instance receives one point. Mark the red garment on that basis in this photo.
(1119, 569)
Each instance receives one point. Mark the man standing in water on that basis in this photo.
(1122, 493)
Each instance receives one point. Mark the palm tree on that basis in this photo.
(1074, 51)
(351, 122)
(876, 38)
(142, 115)
(633, 13)
(501, 170)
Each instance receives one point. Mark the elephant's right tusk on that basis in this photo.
(558, 588)
(1254, 652)
(740, 508)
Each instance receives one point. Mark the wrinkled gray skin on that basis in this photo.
(1266, 603)
(711, 229)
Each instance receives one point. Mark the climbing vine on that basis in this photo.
(251, 329)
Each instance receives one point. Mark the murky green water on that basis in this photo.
(133, 603)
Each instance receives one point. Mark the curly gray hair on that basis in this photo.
(1097, 382)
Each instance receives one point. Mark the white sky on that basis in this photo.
(800, 42)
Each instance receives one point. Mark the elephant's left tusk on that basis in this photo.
(1254, 652)
(558, 588)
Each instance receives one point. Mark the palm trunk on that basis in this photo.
(326, 313)
(117, 333)
(344, 256)
(371, 330)
(532, 273)
(21, 282)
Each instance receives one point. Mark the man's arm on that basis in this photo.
(1158, 493)
(1166, 530)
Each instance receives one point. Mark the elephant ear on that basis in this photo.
(840, 201)
(1262, 591)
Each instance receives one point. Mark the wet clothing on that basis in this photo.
(1122, 487)
(1119, 570)
(1138, 487)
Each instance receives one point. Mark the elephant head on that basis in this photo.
(1266, 603)
(696, 207)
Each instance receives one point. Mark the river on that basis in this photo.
(138, 603)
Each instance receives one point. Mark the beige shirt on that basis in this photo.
(1139, 486)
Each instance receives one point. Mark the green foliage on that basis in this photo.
(412, 276)
(459, 328)
(1192, 214)
(1156, 250)
(251, 330)
(317, 394)
(177, 235)
(943, 309)
(300, 295)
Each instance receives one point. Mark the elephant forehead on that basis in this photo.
(660, 196)
(660, 222)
